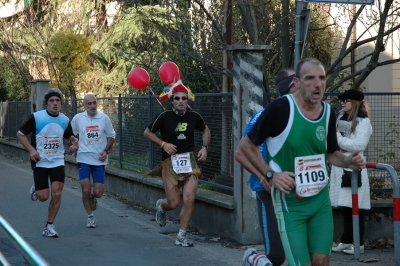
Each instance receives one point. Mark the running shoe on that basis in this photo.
(94, 203)
(340, 247)
(350, 250)
(161, 217)
(183, 241)
(32, 192)
(91, 222)
(50, 231)
(249, 252)
(262, 260)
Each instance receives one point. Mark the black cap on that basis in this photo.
(351, 95)
(283, 87)
(52, 92)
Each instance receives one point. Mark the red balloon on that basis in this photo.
(138, 78)
(169, 72)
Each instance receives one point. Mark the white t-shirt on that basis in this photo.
(93, 133)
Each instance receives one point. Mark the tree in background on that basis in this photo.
(192, 34)
(139, 39)
(12, 87)
(381, 24)
(68, 53)
(201, 39)
(26, 36)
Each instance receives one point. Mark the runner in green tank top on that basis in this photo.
(301, 140)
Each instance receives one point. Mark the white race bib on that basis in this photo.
(51, 145)
(311, 175)
(181, 163)
(92, 134)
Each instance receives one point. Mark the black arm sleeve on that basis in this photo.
(271, 122)
(332, 139)
(28, 126)
(68, 131)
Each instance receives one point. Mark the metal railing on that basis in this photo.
(29, 253)
(396, 209)
(132, 114)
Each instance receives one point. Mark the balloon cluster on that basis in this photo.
(169, 73)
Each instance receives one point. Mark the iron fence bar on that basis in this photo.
(120, 159)
(29, 253)
(8, 120)
(150, 117)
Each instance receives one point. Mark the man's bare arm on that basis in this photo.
(168, 147)
(354, 161)
(248, 154)
(247, 164)
(34, 155)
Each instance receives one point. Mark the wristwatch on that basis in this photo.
(205, 146)
(269, 175)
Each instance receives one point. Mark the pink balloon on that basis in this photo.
(169, 72)
(138, 78)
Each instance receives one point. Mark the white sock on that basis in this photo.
(90, 215)
(182, 232)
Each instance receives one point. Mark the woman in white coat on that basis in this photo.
(353, 132)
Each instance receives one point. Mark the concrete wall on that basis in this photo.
(214, 212)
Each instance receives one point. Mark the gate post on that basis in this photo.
(248, 72)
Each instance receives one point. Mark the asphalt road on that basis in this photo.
(125, 235)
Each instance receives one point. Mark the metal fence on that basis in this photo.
(131, 115)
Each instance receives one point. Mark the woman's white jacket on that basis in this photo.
(351, 142)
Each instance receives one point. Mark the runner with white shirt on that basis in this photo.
(48, 128)
(96, 137)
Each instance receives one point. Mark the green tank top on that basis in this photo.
(301, 137)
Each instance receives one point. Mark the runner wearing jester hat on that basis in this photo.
(179, 167)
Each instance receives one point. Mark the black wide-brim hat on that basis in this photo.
(352, 95)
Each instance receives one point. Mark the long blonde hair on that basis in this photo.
(357, 106)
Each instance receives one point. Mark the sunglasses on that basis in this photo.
(177, 98)
(346, 101)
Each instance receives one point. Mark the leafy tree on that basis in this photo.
(68, 52)
(12, 87)
(381, 25)
(139, 39)
(201, 39)
(25, 37)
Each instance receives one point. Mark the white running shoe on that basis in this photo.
(350, 250)
(262, 260)
(340, 247)
(161, 217)
(91, 222)
(50, 231)
(249, 252)
(32, 192)
(183, 241)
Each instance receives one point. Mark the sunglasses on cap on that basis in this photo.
(177, 98)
